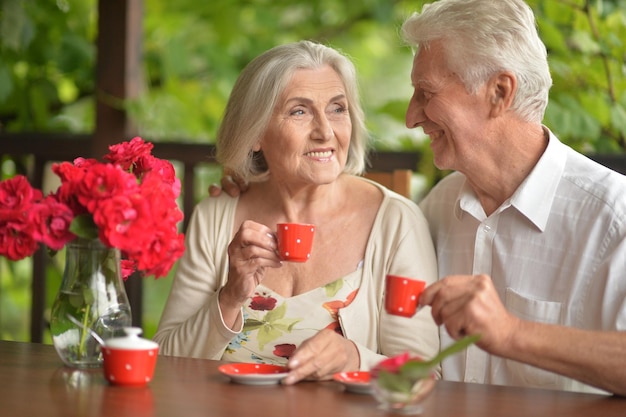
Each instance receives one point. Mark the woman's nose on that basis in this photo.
(322, 129)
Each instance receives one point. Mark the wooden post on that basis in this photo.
(118, 78)
(118, 70)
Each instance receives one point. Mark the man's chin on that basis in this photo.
(442, 163)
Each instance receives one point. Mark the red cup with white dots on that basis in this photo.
(129, 360)
(295, 241)
(402, 295)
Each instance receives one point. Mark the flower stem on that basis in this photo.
(83, 332)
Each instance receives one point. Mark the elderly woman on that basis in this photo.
(293, 128)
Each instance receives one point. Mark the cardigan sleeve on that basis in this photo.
(191, 323)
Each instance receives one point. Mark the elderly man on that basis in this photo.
(530, 235)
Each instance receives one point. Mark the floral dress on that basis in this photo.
(274, 326)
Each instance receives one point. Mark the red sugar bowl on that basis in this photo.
(130, 360)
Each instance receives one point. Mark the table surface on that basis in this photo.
(34, 382)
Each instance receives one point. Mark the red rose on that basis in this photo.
(128, 267)
(17, 194)
(284, 350)
(124, 221)
(51, 221)
(129, 203)
(102, 182)
(125, 154)
(16, 240)
(261, 303)
(392, 364)
(161, 253)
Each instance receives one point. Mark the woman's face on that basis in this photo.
(309, 132)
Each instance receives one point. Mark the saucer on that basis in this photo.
(254, 373)
(357, 382)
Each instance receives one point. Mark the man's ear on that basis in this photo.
(502, 89)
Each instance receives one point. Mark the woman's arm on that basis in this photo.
(191, 323)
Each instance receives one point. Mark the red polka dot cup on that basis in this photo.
(295, 241)
(402, 295)
(129, 360)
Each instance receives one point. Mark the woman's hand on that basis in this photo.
(322, 355)
(251, 251)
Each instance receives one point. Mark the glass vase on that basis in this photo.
(90, 305)
(407, 402)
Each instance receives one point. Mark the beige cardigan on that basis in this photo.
(400, 243)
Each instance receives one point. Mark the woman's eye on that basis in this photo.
(339, 109)
(297, 112)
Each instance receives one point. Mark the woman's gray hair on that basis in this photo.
(483, 37)
(256, 93)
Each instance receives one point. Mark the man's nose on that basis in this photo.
(414, 113)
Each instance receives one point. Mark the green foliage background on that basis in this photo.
(194, 50)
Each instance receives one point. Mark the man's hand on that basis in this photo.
(232, 184)
(468, 305)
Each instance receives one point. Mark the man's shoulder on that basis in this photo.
(595, 180)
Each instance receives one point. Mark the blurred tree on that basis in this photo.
(193, 51)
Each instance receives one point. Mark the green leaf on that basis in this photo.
(394, 382)
(415, 369)
(618, 118)
(6, 83)
(333, 287)
(16, 28)
(266, 334)
(88, 296)
(76, 300)
(286, 325)
(552, 36)
(276, 314)
(83, 226)
(251, 324)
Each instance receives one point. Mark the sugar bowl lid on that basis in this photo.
(131, 341)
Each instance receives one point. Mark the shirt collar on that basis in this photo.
(535, 195)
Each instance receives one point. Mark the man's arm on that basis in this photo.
(468, 305)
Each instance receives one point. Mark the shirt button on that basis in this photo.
(486, 228)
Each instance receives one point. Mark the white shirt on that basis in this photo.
(556, 252)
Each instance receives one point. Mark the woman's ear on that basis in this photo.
(503, 87)
(256, 147)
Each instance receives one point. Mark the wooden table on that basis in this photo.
(34, 383)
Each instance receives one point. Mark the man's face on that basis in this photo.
(454, 120)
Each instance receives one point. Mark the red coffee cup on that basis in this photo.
(295, 241)
(402, 294)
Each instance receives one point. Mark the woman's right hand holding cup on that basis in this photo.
(251, 251)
